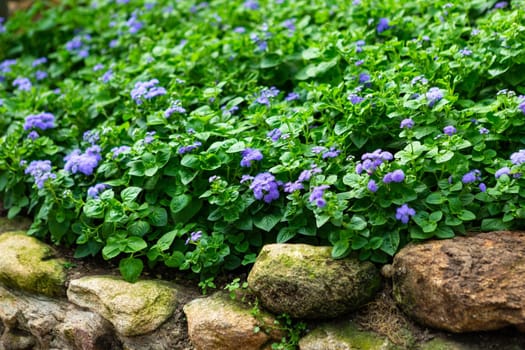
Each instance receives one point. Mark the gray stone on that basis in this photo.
(305, 282)
(343, 336)
(30, 265)
(220, 323)
(31, 322)
(463, 284)
(133, 308)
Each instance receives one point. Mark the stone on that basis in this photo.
(464, 284)
(30, 265)
(219, 322)
(133, 308)
(344, 335)
(18, 224)
(31, 322)
(304, 281)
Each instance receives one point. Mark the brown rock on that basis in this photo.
(464, 284)
(220, 323)
(304, 281)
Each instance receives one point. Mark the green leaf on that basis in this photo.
(158, 216)
(340, 249)
(435, 216)
(311, 53)
(493, 225)
(166, 240)
(357, 223)
(131, 268)
(236, 147)
(443, 157)
(359, 242)
(94, 209)
(435, 198)
(134, 244)
(267, 222)
(175, 260)
(391, 243)
(179, 202)
(57, 230)
(129, 194)
(285, 234)
(444, 232)
(139, 228)
(466, 215)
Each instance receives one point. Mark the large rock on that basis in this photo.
(18, 224)
(29, 322)
(305, 282)
(344, 336)
(132, 308)
(220, 323)
(30, 265)
(464, 284)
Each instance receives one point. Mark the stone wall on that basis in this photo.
(43, 305)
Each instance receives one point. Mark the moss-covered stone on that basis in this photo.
(306, 282)
(30, 265)
(133, 308)
(344, 336)
(18, 224)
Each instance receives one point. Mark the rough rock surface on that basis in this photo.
(464, 284)
(30, 265)
(305, 282)
(133, 308)
(38, 323)
(343, 336)
(220, 323)
(19, 224)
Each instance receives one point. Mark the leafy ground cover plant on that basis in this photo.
(191, 133)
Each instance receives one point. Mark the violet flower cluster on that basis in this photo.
(370, 161)
(316, 196)
(146, 90)
(249, 155)
(404, 212)
(305, 175)
(266, 95)
(434, 95)
(40, 121)
(41, 171)
(120, 150)
(189, 148)
(264, 187)
(85, 163)
(95, 191)
(22, 84)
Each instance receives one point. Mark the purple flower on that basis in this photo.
(518, 158)
(383, 25)
(33, 135)
(355, 99)
(262, 44)
(502, 171)
(148, 138)
(251, 4)
(146, 90)
(332, 153)
(274, 135)
(176, 107)
(307, 174)
(316, 196)
(372, 186)
(290, 25)
(186, 149)
(97, 67)
(434, 95)
(40, 121)
(419, 79)
(40, 75)
(394, 176)
(471, 176)
(501, 5)
(39, 61)
(290, 187)
(407, 123)
(483, 131)
(5, 66)
(359, 46)
(91, 136)
(23, 84)
(239, 30)
(364, 78)
(85, 163)
(404, 212)
(318, 149)
(249, 155)
(265, 187)
(194, 237)
(449, 130)
(134, 24)
(95, 191)
(370, 161)
(267, 94)
(2, 27)
(41, 171)
(107, 76)
(465, 52)
(482, 187)
(120, 150)
(291, 96)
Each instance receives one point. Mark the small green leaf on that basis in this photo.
(139, 228)
(179, 202)
(359, 242)
(131, 268)
(176, 259)
(466, 215)
(158, 216)
(134, 244)
(285, 234)
(493, 225)
(435, 198)
(357, 223)
(340, 249)
(129, 194)
(267, 222)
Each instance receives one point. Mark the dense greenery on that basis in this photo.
(190, 134)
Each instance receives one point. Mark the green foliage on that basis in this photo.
(187, 192)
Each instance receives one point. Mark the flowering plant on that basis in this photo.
(363, 125)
